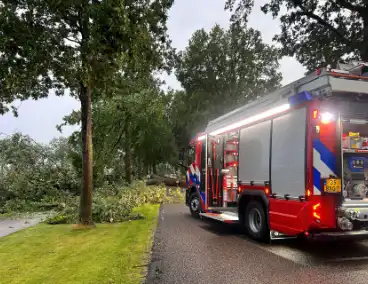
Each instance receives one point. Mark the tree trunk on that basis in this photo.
(85, 216)
(141, 168)
(128, 153)
(146, 169)
(154, 169)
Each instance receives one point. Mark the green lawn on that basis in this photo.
(110, 253)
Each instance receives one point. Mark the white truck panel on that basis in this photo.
(254, 153)
(348, 86)
(322, 84)
(288, 153)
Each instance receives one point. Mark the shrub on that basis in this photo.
(60, 218)
(149, 194)
(111, 208)
(113, 205)
(176, 195)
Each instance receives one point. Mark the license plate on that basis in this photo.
(332, 185)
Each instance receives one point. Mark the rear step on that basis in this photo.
(274, 235)
(226, 217)
(224, 209)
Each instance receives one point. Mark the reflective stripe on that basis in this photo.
(324, 164)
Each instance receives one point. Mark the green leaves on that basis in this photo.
(30, 171)
(54, 45)
(220, 70)
(137, 119)
(316, 32)
(87, 48)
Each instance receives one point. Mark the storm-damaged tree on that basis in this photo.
(81, 48)
(315, 32)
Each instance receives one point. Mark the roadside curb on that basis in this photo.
(154, 268)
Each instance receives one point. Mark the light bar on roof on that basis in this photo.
(252, 119)
(202, 137)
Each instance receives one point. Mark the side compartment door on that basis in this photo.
(288, 172)
(214, 159)
(202, 168)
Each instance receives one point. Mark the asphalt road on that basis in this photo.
(10, 226)
(187, 250)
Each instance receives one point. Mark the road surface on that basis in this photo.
(11, 225)
(187, 250)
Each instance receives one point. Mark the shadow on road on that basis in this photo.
(350, 252)
(332, 253)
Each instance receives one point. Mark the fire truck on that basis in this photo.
(291, 163)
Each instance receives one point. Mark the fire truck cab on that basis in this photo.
(291, 163)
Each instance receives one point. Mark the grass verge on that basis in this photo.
(110, 253)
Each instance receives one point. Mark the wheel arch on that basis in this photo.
(247, 196)
(190, 190)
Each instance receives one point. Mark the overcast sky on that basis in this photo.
(39, 118)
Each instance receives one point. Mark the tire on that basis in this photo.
(195, 205)
(256, 224)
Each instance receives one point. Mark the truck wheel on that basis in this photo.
(256, 222)
(195, 205)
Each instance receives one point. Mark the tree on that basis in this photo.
(316, 32)
(79, 47)
(219, 71)
(135, 130)
(180, 113)
(151, 130)
(132, 132)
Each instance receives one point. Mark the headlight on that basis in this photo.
(327, 117)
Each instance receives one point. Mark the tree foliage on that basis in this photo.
(38, 177)
(31, 172)
(219, 71)
(60, 44)
(132, 132)
(316, 32)
(81, 47)
(139, 132)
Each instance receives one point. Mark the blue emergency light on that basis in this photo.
(300, 98)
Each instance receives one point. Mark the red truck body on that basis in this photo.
(293, 163)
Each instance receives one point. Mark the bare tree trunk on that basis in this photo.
(85, 216)
(146, 169)
(154, 169)
(141, 168)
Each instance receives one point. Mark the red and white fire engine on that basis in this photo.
(291, 163)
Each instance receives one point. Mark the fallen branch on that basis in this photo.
(166, 182)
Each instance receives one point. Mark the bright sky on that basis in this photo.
(39, 118)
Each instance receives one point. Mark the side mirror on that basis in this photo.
(225, 171)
